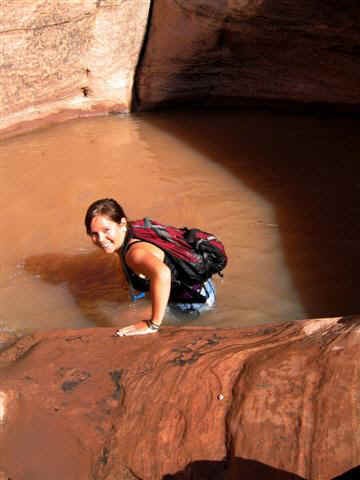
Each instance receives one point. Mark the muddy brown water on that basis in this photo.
(281, 191)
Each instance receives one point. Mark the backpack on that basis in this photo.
(196, 255)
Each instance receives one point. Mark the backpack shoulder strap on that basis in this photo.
(147, 224)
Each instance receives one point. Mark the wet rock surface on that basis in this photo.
(274, 402)
(291, 53)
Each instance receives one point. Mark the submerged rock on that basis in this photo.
(274, 402)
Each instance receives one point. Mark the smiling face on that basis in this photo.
(107, 234)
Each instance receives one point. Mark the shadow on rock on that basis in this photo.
(350, 474)
(238, 468)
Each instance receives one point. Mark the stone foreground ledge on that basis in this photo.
(268, 402)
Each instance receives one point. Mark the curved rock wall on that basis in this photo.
(252, 52)
(63, 59)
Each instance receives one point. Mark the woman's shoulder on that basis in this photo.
(137, 249)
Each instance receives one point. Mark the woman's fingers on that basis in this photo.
(137, 329)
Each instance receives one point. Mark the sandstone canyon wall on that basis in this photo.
(81, 57)
(64, 59)
(274, 402)
(252, 52)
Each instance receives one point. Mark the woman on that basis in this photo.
(144, 263)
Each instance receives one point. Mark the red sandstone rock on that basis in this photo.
(61, 60)
(251, 52)
(269, 402)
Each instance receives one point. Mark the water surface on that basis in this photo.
(281, 191)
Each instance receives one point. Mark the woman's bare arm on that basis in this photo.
(148, 260)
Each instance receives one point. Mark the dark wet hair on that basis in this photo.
(105, 206)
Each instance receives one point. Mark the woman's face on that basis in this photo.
(107, 234)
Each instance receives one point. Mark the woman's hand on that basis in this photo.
(141, 328)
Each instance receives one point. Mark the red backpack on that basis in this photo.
(196, 255)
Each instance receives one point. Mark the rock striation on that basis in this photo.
(268, 402)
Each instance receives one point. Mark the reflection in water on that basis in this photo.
(235, 468)
(93, 280)
(281, 191)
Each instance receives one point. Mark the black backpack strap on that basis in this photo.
(160, 230)
(147, 222)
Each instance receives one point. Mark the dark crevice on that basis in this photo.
(119, 391)
(135, 96)
(85, 91)
(77, 378)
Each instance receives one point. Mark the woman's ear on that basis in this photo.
(123, 224)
